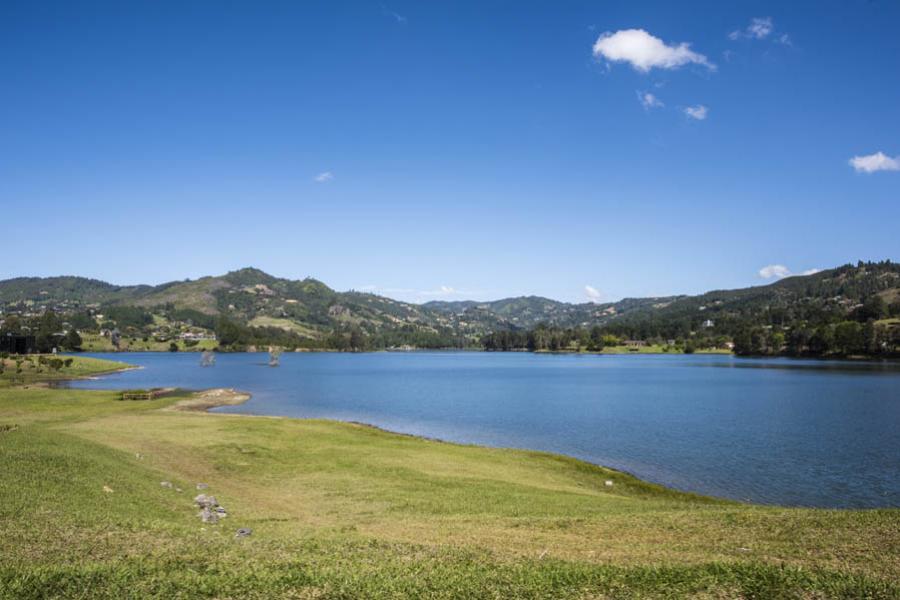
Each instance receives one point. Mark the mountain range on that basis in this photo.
(311, 309)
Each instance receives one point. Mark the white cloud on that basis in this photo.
(774, 271)
(324, 177)
(644, 51)
(649, 100)
(875, 162)
(698, 112)
(781, 271)
(759, 28)
(593, 294)
(417, 295)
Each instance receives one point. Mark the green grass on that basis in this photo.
(648, 349)
(347, 511)
(98, 343)
(286, 324)
(29, 369)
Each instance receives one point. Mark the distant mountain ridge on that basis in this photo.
(310, 308)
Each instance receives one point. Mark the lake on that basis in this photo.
(777, 431)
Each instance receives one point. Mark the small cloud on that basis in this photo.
(758, 29)
(811, 271)
(649, 101)
(774, 271)
(875, 162)
(698, 112)
(645, 52)
(785, 39)
(444, 290)
(324, 177)
(593, 294)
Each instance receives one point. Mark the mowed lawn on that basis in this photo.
(347, 511)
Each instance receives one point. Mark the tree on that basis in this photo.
(48, 326)
(873, 308)
(173, 347)
(227, 332)
(822, 341)
(776, 342)
(357, 339)
(12, 324)
(595, 342)
(72, 341)
(848, 337)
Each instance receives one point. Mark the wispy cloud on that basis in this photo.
(400, 19)
(324, 177)
(649, 100)
(645, 52)
(698, 112)
(760, 28)
(872, 163)
(781, 271)
(444, 290)
(593, 294)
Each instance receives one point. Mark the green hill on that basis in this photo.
(260, 308)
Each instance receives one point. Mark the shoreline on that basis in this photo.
(206, 400)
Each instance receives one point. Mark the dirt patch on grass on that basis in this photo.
(207, 399)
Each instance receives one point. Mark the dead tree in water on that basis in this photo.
(274, 356)
(207, 359)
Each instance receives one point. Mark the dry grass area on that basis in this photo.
(343, 510)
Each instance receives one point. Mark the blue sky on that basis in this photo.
(430, 150)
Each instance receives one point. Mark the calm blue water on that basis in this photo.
(779, 431)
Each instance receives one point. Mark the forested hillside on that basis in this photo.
(853, 309)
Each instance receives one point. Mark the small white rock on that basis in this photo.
(608, 483)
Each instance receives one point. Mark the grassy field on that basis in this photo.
(659, 349)
(97, 343)
(348, 511)
(648, 349)
(286, 324)
(32, 369)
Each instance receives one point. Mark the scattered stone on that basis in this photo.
(204, 501)
(220, 510)
(178, 490)
(107, 489)
(202, 486)
(139, 456)
(243, 532)
(209, 516)
(743, 549)
(608, 483)
(166, 484)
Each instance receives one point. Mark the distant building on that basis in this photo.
(634, 343)
(17, 344)
(708, 323)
